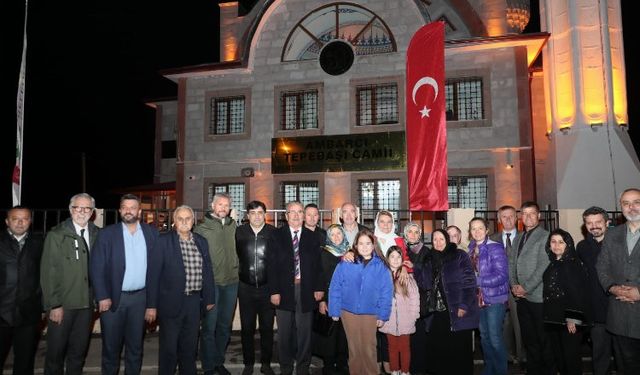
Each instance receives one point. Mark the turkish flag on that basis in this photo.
(426, 120)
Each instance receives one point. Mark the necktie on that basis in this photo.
(86, 248)
(84, 241)
(525, 235)
(296, 254)
(507, 246)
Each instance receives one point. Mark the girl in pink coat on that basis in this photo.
(405, 310)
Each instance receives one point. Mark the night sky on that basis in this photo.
(91, 66)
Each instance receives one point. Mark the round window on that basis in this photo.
(336, 57)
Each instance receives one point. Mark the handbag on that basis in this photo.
(429, 298)
(323, 324)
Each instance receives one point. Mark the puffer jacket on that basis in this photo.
(361, 289)
(252, 253)
(493, 271)
(221, 238)
(459, 286)
(405, 310)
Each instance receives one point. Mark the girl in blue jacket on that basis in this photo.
(360, 294)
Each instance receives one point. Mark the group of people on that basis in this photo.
(396, 305)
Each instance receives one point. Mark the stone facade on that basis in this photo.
(484, 147)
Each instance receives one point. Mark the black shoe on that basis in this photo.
(221, 370)
(266, 369)
(247, 370)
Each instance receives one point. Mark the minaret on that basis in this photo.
(590, 155)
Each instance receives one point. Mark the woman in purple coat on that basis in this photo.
(447, 276)
(490, 264)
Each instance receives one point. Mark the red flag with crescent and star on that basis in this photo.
(426, 120)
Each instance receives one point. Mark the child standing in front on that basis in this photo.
(405, 310)
(360, 295)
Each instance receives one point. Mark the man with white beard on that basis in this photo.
(618, 269)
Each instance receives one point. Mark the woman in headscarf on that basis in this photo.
(416, 252)
(452, 307)
(335, 348)
(565, 302)
(385, 230)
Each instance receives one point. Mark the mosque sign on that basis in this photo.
(338, 153)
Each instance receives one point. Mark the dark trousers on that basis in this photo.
(511, 331)
(24, 340)
(418, 345)
(294, 338)
(629, 350)
(69, 340)
(601, 348)
(448, 352)
(125, 325)
(179, 338)
(336, 350)
(534, 338)
(566, 349)
(255, 302)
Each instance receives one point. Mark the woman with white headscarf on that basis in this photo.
(385, 230)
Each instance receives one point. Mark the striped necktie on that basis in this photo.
(296, 254)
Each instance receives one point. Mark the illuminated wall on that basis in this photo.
(584, 59)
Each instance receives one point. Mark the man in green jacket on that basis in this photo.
(66, 293)
(220, 230)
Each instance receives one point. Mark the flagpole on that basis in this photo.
(17, 170)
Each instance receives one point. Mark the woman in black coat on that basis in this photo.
(566, 302)
(335, 351)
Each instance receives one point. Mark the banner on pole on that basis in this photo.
(16, 180)
(426, 120)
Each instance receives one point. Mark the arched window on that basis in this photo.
(363, 29)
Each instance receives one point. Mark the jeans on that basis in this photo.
(492, 340)
(216, 327)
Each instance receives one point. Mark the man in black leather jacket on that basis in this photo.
(252, 245)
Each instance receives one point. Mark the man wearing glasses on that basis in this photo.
(119, 277)
(66, 292)
(295, 287)
(618, 269)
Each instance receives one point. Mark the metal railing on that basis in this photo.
(549, 219)
(45, 219)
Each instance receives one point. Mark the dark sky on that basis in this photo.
(90, 68)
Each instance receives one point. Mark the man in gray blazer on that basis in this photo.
(511, 328)
(618, 269)
(527, 263)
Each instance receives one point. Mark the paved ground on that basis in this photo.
(233, 360)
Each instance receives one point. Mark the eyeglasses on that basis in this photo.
(80, 209)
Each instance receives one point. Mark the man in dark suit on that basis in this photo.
(508, 219)
(527, 263)
(180, 287)
(618, 269)
(596, 221)
(295, 285)
(20, 294)
(119, 278)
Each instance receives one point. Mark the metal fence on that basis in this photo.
(45, 219)
(549, 219)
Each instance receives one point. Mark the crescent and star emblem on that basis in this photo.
(424, 112)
